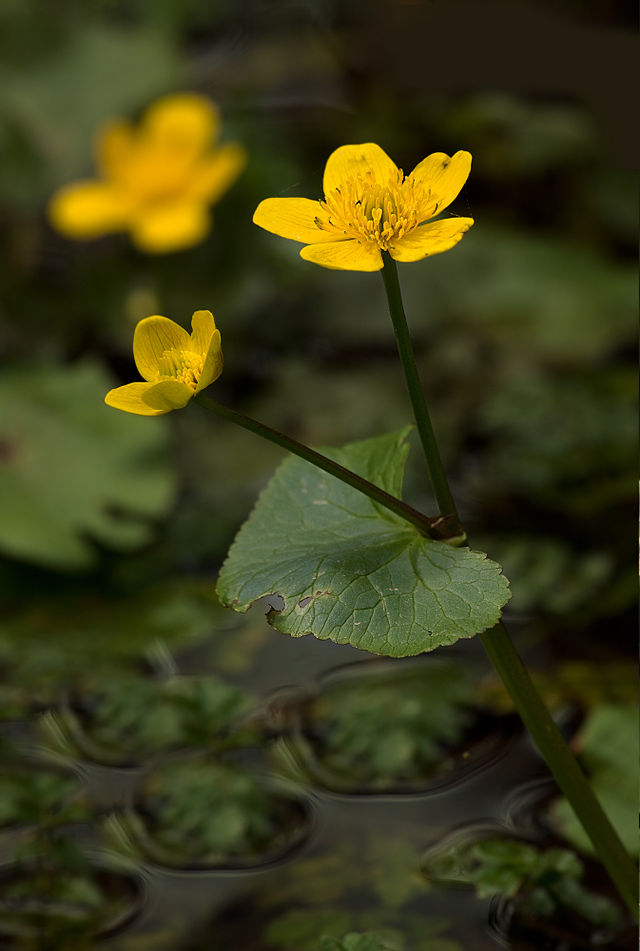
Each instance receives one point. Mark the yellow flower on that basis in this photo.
(369, 206)
(157, 180)
(174, 364)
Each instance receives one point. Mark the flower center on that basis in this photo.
(185, 366)
(154, 174)
(367, 211)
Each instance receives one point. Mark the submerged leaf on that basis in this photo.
(347, 570)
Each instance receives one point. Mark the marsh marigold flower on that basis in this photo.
(157, 180)
(369, 206)
(175, 365)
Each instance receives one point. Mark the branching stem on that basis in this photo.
(442, 528)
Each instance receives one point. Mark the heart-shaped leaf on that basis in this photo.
(348, 570)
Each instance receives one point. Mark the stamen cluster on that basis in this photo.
(364, 210)
(182, 365)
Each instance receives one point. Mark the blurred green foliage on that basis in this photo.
(391, 728)
(127, 718)
(54, 893)
(298, 930)
(542, 883)
(203, 812)
(57, 640)
(35, 795)
(361, 886)
(73, 471)
(355, 942)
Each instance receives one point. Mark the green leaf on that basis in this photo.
(348, 570)
(71, 467)
(541, 883)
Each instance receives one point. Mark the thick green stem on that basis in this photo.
(435, 468)
(563, 766)
(441, 528)
(501, 651)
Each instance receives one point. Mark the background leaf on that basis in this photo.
(354, 573)
(70, 467)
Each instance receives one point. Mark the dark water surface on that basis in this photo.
(327, 852)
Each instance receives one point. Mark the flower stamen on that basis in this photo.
(376, 213)
(185, 366)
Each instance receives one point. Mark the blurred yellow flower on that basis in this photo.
(174, 364)
(369, 207)
(156, 180)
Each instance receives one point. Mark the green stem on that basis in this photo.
(502, 652)
(442, 527)
(435, 468)
(561, 763)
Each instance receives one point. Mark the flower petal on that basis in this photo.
(213, 363)
(444, 177)
(114, 145)
(152, 337)
(130, 399)
(346, 255)
(168, 395)
(159, 228)
(203, 328)
(89, 209)
(184, 119)
(351, 161)
(432, 238)
(214, 175)
(293, 218)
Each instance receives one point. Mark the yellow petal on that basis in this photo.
(171, 226)
(114, 145)
(184, 119)
(168, 395)
(293, 218)
(351, 161)
(432, 238)
(444, 177)
(152, 337)
(213, 176)
(89, 209)
(203, 328)
(212, 364)
(130, 399)
(344, 255)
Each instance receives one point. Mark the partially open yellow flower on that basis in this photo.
(157, 180)
(174, 364)
(369, 207)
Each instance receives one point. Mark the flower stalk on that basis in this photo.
(442, 528)
(501, 650)
(437, 475)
